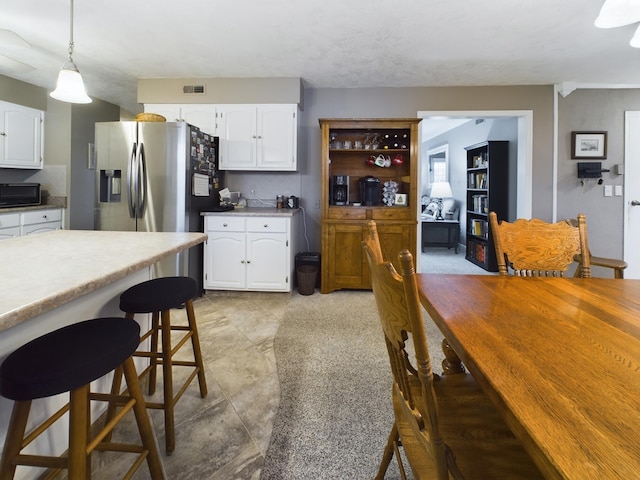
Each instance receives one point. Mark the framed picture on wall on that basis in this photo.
(588, 145)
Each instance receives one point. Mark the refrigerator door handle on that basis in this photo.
(131, 197)
(142, 182)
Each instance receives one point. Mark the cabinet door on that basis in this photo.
(172, 112)
(277, 137)
(394, 239)
(21, 136)
(9, 225)
(237, 132)
(225, 261)
(201, 116)
(344, 265)
(268, 262)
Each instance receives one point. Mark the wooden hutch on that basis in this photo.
(349, 147)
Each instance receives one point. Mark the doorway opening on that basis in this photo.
(440, 128)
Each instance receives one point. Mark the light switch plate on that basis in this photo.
(617, 190)
(608, 190)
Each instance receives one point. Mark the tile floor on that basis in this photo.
(226, 434)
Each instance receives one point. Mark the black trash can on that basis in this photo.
(306, 275)
(308, 258)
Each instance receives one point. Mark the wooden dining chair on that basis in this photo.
(614, 264)
(446, 425)
(535, 248)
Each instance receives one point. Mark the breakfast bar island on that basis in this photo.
(66, 276)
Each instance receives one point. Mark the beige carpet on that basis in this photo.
(335, 409)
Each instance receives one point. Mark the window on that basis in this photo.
(438, 166)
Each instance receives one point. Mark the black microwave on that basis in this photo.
(19, 194)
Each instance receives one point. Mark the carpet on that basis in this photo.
(335, 410)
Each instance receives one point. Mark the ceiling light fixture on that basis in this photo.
(618, 13)
(70, 87)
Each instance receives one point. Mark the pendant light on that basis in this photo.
(70, 87)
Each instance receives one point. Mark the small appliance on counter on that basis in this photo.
(19, 194)
(339, 190)
(293, 202)
(370, 191)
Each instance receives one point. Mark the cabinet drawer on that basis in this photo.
(215, 223)
(391, 213)
(267, 224)
(41, 216)
(9, 220)
(347, 213)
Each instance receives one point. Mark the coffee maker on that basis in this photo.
(370, 191)
(339, 190)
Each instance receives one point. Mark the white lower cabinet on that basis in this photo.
(39, 221)
(248, 253)
(30, 222)
(9, 225)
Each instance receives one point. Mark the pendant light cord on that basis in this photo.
(71, 32)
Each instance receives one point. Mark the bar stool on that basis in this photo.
(158, 297)
(68, 360)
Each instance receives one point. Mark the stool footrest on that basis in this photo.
(41, 461)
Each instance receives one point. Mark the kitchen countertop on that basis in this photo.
(41, 272)
(51, 202)
(257, 212)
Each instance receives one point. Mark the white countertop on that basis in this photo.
(41, 272)
(257, 212)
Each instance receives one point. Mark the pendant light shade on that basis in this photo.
(617, 13)
(70, 87)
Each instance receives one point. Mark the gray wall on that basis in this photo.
(407, 102)
(594, 110)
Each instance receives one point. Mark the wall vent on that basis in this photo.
(193, 89)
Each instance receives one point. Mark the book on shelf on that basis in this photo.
(480, 203)
(479, 228)
(477, 180)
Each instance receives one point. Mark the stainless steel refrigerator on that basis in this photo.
(156, 177)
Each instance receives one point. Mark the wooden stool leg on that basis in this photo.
(79, 460)
(15, 435)
(142, 419)
(153, 360)
(167, 366)
(116, 385)
(195, 343)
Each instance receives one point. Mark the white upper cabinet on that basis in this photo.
(252, 137)
(258, 137)
(172, 112)
(21, 136)
(201, 116)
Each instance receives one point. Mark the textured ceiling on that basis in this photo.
(327, 43)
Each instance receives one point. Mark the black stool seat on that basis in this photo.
(68, 358)
(158, 294)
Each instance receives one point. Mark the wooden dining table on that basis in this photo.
(559, 357)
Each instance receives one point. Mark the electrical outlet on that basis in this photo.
(316, 204)
(617, 190)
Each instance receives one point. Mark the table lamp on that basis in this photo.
(441, 190)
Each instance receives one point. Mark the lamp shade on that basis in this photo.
(617, 13)
(441, 190)
(70, 87)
